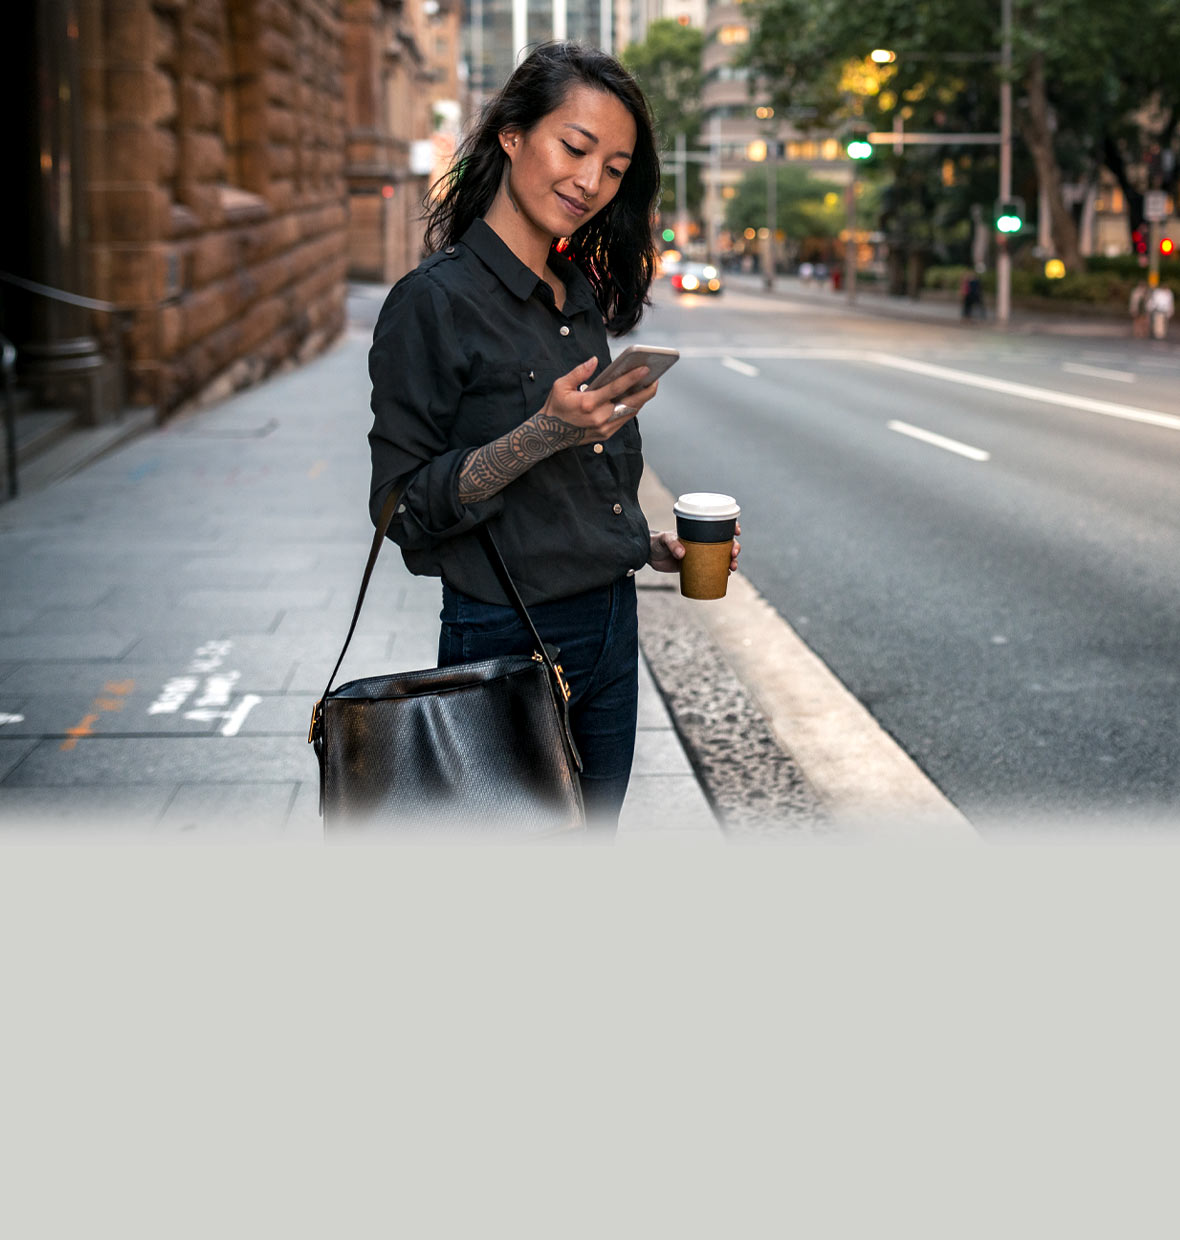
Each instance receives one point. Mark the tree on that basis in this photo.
(806, 208)
(667, 65)
(1092, 86)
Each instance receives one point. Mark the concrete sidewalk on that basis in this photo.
(171, 613)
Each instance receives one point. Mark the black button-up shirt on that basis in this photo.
(465, 350)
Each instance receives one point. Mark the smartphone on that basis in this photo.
(657, 359)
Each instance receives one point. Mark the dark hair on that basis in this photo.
(615, 250)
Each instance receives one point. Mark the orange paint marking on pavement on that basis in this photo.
(85, 728)
(121, 688)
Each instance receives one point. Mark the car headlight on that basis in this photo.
(690, 282)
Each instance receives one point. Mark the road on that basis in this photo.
(978, 532)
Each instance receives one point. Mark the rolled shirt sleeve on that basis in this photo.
(418, 371)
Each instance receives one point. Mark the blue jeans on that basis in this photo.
(598, 635)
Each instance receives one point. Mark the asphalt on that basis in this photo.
(174, 601)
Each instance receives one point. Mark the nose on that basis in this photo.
(588, 178)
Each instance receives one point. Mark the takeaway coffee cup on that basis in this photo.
(705, 524)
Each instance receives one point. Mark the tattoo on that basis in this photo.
(488, 470)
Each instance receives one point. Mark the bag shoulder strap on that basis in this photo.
(488, 543)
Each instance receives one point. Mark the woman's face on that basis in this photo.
(570, 164)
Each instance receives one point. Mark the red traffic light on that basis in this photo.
(1139, 242)
(1166, 246)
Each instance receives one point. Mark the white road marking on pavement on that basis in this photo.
(1109, 409)
(215, 699)
(775, 353)
(173, 695)
(233, 718)
(11, 719)
(1098, 372)
(743, 368)
(940, 441)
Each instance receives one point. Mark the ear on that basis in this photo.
(509, 139)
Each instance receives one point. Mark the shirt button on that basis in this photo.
(598, 447)
(401, 507)
(630, 572)
(617, 509)
(532, 376)
(582, 387)
(450, 249)
(565, 331)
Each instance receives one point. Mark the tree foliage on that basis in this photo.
(806, 207)
(1094, 85)
(667, 66)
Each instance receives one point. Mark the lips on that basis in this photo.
(574, 207)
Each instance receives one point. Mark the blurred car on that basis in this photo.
(696, 278)
(668, 263)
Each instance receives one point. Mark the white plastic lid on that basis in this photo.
(708, 505)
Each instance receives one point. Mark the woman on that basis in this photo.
(541, 240)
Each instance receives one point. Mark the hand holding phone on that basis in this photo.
(658, 360)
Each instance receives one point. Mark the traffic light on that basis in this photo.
(1139, 241)
(1167, 249)
(857, 146)
(1010, 215)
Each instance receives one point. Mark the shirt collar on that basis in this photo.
(483, 241)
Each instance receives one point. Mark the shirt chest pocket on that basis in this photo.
(500, 400)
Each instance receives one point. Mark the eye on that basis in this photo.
(573, 150)
(617, 173)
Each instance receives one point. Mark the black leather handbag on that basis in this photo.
(478, 748)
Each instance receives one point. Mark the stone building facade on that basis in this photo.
(401, 101)
(184, 161)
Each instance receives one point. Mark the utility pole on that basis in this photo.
(714, 195)
(1003, 257)
(681, 190)
(771, 213)
(850, 229)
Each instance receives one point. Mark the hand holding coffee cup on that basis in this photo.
(706, 524)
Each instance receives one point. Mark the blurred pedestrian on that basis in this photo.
(1138, 308)
(1161, 305)
(541, 245)
(971, 291)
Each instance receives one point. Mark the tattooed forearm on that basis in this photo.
(491, 468)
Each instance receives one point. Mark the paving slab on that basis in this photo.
(146, 678)
(97, 709)
(92, 644)
(118, 761)
(16, 619)
(94, 811)
(245, 811)
(12, 752)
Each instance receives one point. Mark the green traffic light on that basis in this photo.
(669, 235)
(1008, 223)
(858, 148)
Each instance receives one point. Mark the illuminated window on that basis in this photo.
(734, 34)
